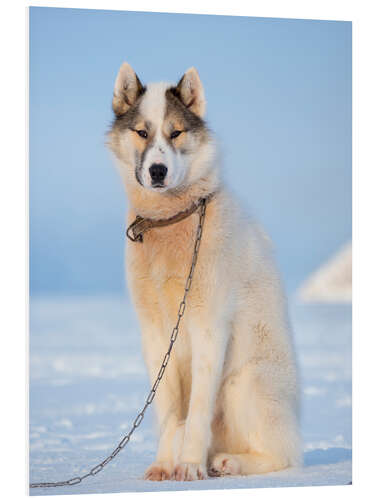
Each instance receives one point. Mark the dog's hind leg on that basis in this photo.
(244, 464)
(255, 434)
(276, 446)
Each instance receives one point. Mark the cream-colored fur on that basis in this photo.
(228, 402)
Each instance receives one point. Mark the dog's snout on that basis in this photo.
(158, 172)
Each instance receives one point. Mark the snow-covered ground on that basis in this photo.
(88, 380)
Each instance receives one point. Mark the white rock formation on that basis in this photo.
(332, 282)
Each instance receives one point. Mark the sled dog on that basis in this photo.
(228, 402)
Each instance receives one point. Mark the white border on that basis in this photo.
(14, 228)
(339, 11)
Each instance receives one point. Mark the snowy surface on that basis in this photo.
(88, 380)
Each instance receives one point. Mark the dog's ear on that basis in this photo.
(127, 88)
(190, 91)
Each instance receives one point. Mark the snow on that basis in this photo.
(88, 381)
(332, 282)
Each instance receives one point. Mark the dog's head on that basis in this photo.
(158, 134)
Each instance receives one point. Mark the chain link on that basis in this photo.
(137, 421)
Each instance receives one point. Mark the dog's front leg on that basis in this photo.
(208, 347)
(155, 340)
(167, 404)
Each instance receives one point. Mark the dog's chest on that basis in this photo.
(169, 252)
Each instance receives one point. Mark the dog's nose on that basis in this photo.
(158, 172)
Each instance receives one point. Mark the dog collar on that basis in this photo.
(141, 225)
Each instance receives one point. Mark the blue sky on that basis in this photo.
(279, 100)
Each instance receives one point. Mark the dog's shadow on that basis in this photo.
(326, 457)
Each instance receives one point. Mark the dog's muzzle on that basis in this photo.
(158, 173)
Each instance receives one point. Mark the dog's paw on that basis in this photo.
(224, 464)
(189, 472)
(159, 471)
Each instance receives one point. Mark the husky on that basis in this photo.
(229, 401)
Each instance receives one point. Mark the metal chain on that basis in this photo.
(124, 441)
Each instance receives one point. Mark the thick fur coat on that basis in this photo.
(228, 402)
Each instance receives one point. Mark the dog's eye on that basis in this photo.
(142, 133)
(175, 134)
